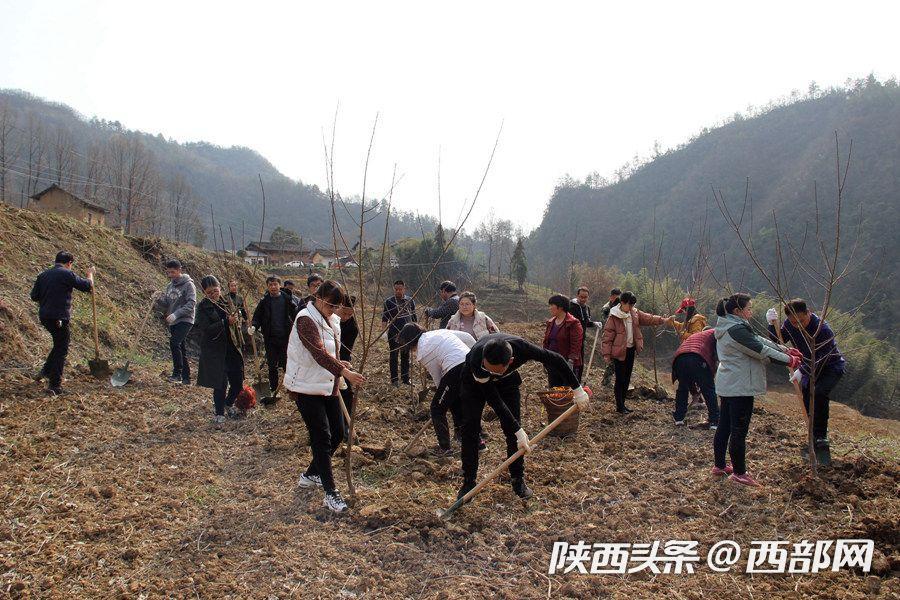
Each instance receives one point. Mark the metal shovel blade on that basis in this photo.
(99, 368)
(262, 390)
(121, 376)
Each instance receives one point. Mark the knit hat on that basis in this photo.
(684, 304)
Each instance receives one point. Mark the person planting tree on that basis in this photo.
(491, 376)
(623, 340)
(807, 332)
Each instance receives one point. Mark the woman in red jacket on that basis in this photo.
(623, 340)
(563, 335)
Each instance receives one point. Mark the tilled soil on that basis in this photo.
(133, 493)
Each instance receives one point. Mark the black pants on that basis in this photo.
(178, 345)
(325, 423)
(472, 398)
(234, 371)
(56, 360)
(446, 398)
(691, 369)
(734, 424)
(623, 369)
(276, 356)
(825, 382)
(347, 396)
(404, 361)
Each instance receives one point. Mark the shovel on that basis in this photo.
(446, 514)
(99, 367)
(123, 375)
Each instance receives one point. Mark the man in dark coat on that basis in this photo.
(579, 309)
(274, 316)
(53, 290)
(490, 376)
(449, 304)
(399, 310)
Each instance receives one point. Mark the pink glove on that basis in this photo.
(794, 352)
(795, 362)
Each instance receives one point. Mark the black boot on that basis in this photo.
(467, 486)
(521, 489)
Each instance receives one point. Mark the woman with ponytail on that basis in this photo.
(741, 375)
(313, 379)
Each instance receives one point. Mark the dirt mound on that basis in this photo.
(132, 493)
(129, 270)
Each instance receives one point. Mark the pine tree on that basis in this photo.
(519, 266)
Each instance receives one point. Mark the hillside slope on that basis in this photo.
(784, 152)
(224, 178)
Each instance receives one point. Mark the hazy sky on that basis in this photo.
(579, 86)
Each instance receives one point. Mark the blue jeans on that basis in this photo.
(178, 345)
(689, 369)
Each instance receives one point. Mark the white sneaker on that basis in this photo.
(231, 411)
(679, 423)
(220, 421)
(334, 502)
(309, 481)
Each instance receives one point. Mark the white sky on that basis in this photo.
(579, 86)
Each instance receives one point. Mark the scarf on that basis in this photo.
(629, 323)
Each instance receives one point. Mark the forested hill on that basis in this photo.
(171, 184)
(784, 151)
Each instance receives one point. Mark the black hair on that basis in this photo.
(349, 301)
(448, 286)
(312, 278)
(497, 352)
(409, 335)
(272, 278)
(64, 258)
(615, 292)
(582, 289)
(399, 282)
(288, 282)
(560, 301)
(173, 264)
(331, 292)
(720, 307)
(208, 282)
(689, 313)
(795, 306)
(627, 297)
(733, 303)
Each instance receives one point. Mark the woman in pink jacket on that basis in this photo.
(622, 340)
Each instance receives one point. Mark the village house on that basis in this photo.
(55, 199)
(273, 253)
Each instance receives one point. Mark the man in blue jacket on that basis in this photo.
(829, 364)
(53, 290)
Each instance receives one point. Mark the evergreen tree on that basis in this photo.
(518, 265)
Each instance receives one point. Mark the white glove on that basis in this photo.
(772, 316)
(251, 330)
(522, 441)
(170, 319)
(797, 376)
(596, 324)
(581, 399)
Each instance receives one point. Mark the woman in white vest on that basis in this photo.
(313, 378)
(472, 321)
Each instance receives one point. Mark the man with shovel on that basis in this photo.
(53, 290)
(490, 375)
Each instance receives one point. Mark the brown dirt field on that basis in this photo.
(131, 493)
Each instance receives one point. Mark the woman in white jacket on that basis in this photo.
(313, 378)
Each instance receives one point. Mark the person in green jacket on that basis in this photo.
(741, 375)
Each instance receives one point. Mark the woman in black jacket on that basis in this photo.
(221, 366)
